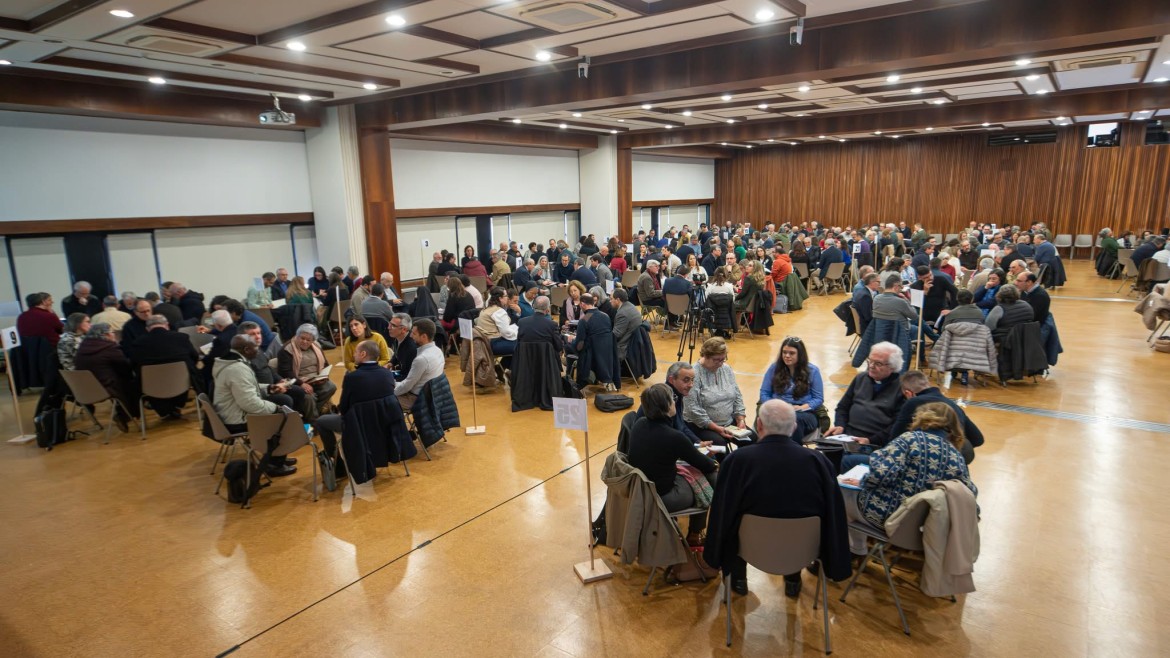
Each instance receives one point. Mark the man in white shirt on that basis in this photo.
(428, 364)
(111, 314)
(1163, 256)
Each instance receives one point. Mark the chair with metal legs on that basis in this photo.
(779, 547)
(674, 517)
(163, 381)
(226, 439)
(87, 390)
(293, 436)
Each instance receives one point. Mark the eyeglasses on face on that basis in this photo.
(870, 363)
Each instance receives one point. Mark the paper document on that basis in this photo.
(917, 297)
(279, 303)
(206, 349)
(843, 438)
(855, 473)
(737, 432)
(321, 376)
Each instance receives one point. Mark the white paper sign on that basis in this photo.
(609, 286)
(11, 338)
(917, 297)
(857, 247)
(570, 414)
(984, 253)
(465, 329)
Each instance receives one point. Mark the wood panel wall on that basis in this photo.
(947, 181)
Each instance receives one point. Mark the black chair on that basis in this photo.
(541, 366)
(379, 325)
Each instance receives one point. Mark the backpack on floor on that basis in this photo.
(51, 428)
(236, 472)
(781, 305)
(610, 402)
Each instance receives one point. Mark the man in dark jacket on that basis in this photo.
(539, 327)
(190, 303)
(594, 342)
(873, 399)
(713, 260)
(829, 255)
(863, 301)
(161, 345)
(583, 274)
(81, 301)
(1036, 296)
(923, 257)
(100, 355)
(1144, 251)
(776, 478)
(404, 346)
(680, 377)
(917, 390)
(135, 327)
(368, 381)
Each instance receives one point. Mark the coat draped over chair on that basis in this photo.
(897, 332)
(435, 411)
(375, 435)
(964, 346)
(541, 381)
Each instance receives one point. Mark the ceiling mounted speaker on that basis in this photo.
(566, 15)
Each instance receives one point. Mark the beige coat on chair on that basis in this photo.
(636, 522)
(947, 569)
(485, 372)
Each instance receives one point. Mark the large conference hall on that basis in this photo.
(352, 327)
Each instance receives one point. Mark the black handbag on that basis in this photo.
(610, 402)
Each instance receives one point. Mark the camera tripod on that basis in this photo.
(697, 318)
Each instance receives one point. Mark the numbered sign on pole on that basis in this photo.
(465, 329)
(570, 414)
(917, 297)
(11, 338)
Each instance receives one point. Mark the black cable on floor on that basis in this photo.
(422, 545)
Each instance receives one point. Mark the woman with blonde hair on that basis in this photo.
(714, 408)
(297, 293)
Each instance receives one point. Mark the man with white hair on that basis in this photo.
(81, 301)
(224, 329)
(829, 255)
(779, 479)
(390, 293)
(650, 286)
(873, 399)
(190, 303)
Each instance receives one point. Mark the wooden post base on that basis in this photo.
(23, 438)
(478, 429)
(600, 571)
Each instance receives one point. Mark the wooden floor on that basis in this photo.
(122, 550)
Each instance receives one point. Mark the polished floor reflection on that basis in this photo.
(122, 550)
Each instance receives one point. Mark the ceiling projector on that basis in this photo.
(276, 115)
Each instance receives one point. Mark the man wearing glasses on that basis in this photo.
(873, 399)
(404, 346)
(135, 327)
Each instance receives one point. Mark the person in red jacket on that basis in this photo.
(40, 320)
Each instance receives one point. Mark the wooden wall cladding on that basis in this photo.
(947, 181)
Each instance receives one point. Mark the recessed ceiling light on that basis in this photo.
(749, 145)
(305, 97)
(121, 13)
(1023, 62)
(877, 132)
(726, 97)
(1042, 91)
(157, 80)
(731, 121)
(516, 120)
(296, 45)
(564, 125)
(793, 143)
(765, 15)
(1061, 118)
(370, 86)
(803, 88)
(928, 129)
(543, 55)
(939, 101)
(723, 143)
(612, 132)
(686, 113)
(1161, 79)
(621, 120)
(576, 115)
(895, 136)
(646, 106)
(802, 114)
(771, 140)
(893, 77)
(1167, 62)
(667, 126)
(821, 137)
(763, 106)
(1032, 78)
(394, 20)
(4, 62)
(985, 124)
(842, 140)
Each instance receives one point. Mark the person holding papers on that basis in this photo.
(714, 408)
(302, 361)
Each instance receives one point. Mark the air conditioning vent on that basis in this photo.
(1022, 139)
(566, 15)
(154, 39)
(1100, 61)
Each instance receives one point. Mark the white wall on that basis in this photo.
(413, 258)
(455, 175)
(9, 307)
(133, 263)
(598, 181)
(662, 178)
(222, 260)
(41, 267)
(68, 167)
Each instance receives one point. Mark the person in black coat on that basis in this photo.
(1144, 251)
(594, 343)
(712, 260)
(404, 346)
(917, 390)
(135, 327)
(940, 294)
(368, 381)
(161, 345)
(190, 303)
(863, 301)
(1036, 296)
(829, 255)
(776, 478)
(923, 256)
(173, 315)
(583, 274)
(100, 355)
(539, 327)
(81, 301)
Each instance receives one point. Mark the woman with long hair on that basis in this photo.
(571, 309)
(297, 293)
(468, 255)
(319, 282)
(796, 381)
(359, 330)
(458, 301)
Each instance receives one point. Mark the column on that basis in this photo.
(605, 198)
(336, 187)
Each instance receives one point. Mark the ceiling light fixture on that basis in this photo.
(1032, 78)
(731, 121)
(621, 120)
(1042, 91)
(895, 136)
(803, 88)
(771, 140)
(749, 145)
(369, 86)
(842, 140)
(723, 143)
(1163, 79)
(121, 13)
(157, 80)
(764, 106)
(939, 101)
(296, 45)
(646, 106)
(305, 97)
(612, 131)
(564, 125)
(4, 62)
(394, 20)
(1167, 62)
(516, 120)
(985, 124)
(821, 137)
(877, 132)
(686, 113)
(1023, 62)
(543, 55)
(894, 77)
(916, 90)
(928, 129)
(668, 126)
(765, 15)
(802, 114)
(726, 97)
(576, 115)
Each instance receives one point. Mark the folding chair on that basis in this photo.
(163, 380)
(1130, 270)
(678, 306)
(220, 434)
(1083, 241)
(778, 547)
(265, 314)
(88, 390)
(557, 297)
(908, 538)
(630, 279)
(801, 270)
(691, 555)
(856, 330)
(834, 276)
(480, 283)
(293, 437)
(1062, 241)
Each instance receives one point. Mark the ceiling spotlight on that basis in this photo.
(1032, 78)
(646, 106)
(877, 132)
(1162, 79)
(986, 125)
(612, 131)
(1023, 62)
(621, 120)
(749, 145)
(564, 125)
(916, 90)
(515, 120)
(394, 20)
(731, 121)
(764, 106)
(1061, 118)
(765, 15)
(121, 13)
(802, 114)
(726, 97)
(821, 137)
(686, 113)
(895, 136)
(939, 101)
(576, 115)
(928, 129)
(1167, 62)
(803, 88)
(296, 45)
(369, 86)
(842, 140)
(893, 77)
(723, 143)
(543, 55)
(1042, 91)
(771, 140)
(157, 81)
(4, 62)
(305, 97)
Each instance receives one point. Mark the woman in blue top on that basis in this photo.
(985, 296)
(796, 381)
(319, 284)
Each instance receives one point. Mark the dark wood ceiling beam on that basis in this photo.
(442, 63)
(289, 67)
(30, 90)
(336, 18)
(441, 36)
(61, 13)
(499, 134)
(794, 7)
(999, 76)
(91, 65)
(945, 37)
(14, 24)
(514, 37)
(705, 152)
(666, 6)
(1125, 98)
(183, 27)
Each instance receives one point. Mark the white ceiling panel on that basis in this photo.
(257, 16)
(1100, 77)
(818, 93)
(490, 62)
(746, 10)
(632, 26)
(995, 94)
(660, 36)
(29, 51)
(1122, 116)
(400, 45)
(982, 88)
(98, 21)
(479, 25)
(375, 25)
(26, 9)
